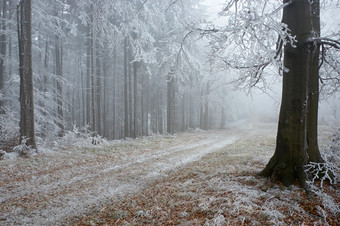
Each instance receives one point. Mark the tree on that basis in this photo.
(3, 46)
(296, 143)
(27, 131)
(253, 28)
(59, 74)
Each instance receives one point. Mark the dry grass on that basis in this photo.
(188, 179)
(222, 189)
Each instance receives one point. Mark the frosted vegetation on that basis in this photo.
(148, 112)
(188, 178)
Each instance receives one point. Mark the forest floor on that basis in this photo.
(197, 178)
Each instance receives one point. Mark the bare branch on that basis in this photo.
(140, 8)
(173, 3)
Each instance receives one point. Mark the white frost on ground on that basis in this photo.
(47, 188)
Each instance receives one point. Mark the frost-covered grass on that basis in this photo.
(223, 189)
(198, 178)
(73, 176)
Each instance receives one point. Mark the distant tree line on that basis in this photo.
(115, 68)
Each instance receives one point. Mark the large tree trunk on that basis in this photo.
(296, 143)
(27, 130)
(313, 93)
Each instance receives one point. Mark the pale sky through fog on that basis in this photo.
(330, 22)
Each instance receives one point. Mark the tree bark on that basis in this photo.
(98, 89)
(27, 130)
(296, 142)
(126, 98)
(3, 46)
(59, 74)
(114, 93)
(88, 77)
(135, 100)
(170, 102)
(93, 70)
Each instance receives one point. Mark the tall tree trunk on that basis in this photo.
(10, 40)
(170, 100)
(59, 74)
(184, 127)
(88, 77)
(201, 118)
(98, 90)
(296, 137)
(114, 93)
(93, 71)
(27, 130)
(131, 125)
(135, 100)
(142, 104)
(160, 116)
(105, 97)
(313, 92)
(3, 46)
(206, 108)
(44, 84)
(126, 98)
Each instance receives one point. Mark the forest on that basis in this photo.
(167, 112)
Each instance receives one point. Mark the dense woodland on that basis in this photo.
(115, 68)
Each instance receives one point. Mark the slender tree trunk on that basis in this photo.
(3, 46)
(160, 116)
(143, 106)
(147, 110)
(83, 90)
(10, 39)
(114, 93)
(88, 78)
(297, 128)
(93, 71)
(126, 98)
(135, 100)
(201, 118)
(170, 124)
(131, 125)
(27, 130)
(105, 99)
(205, 108)
(45, 84)
(98, 90)
(183, 128)
(59, 74)
(191, 123)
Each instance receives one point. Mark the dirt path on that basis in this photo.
(45, 189)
